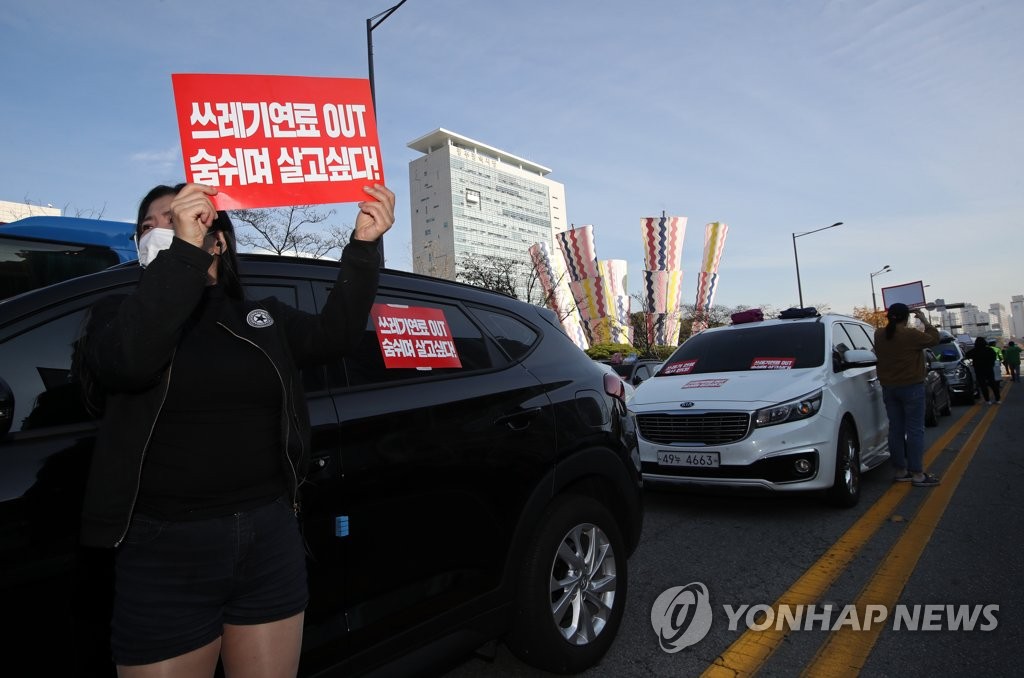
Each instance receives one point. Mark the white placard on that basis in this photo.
(911, 294)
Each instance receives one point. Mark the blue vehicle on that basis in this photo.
(39, 251)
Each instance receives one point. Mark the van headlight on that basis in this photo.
(801, 408)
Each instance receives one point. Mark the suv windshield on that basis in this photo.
(794, 345)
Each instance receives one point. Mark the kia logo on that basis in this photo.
(688, 403)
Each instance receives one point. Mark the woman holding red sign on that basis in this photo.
(200, 455)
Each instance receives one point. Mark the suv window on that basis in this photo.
(26, 264)
(735, 350)
(512, 335)
(365, 365)
(37, 368)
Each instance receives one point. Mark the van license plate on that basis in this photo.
(698, 459)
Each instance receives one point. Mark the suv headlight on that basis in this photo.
(794, 410)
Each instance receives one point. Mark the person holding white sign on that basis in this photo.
(902, 371)
(201, 452)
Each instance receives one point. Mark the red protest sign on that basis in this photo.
(413, 336)
(272, 140)
(772, 363)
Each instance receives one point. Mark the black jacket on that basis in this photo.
(984, 359)
(129, 348)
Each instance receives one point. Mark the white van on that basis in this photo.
(785, 405)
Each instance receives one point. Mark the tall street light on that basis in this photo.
(799, 290)
(874, 304)
(371, 23)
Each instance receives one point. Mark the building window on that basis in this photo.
(472, 198)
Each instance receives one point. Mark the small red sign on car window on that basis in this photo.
(682, 367)
(772, 363)
(414, 336)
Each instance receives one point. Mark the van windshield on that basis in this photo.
(787, 346)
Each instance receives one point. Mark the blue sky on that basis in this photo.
(900, 118)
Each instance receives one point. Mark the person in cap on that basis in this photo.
(901, 371)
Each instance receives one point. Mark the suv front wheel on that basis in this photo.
(572, 589)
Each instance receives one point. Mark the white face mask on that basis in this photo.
(152, 243)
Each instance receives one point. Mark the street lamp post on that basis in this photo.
(874, 303)
(796, 259)
(371, 23)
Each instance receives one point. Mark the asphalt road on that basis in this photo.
(956, 548)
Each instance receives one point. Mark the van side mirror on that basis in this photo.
(858, 357)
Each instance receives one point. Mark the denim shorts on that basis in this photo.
(178, 583)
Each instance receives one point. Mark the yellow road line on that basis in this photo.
(752, 649)
(846, 651)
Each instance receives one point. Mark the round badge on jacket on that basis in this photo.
(259, 318)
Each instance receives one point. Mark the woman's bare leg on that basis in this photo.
(263, 650)
(194, 664)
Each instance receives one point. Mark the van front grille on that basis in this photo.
(709, 428)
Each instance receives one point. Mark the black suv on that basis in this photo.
(448, 507)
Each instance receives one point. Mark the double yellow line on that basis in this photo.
(846, 650)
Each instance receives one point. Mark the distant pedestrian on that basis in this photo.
(997, 374)
(901, 371)
(984, 359)
(1011, 354)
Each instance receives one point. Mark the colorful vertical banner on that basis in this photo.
(613, 274)
(707, 281)
(663, 242)
(557, 296)
(714, 243)
(663, 276)
(662, 291)
(577, 246)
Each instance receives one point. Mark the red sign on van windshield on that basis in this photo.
(413, 336)
(272, 141)
(772, 363)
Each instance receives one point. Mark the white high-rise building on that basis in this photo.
(471, 200)
(968, 320)
(974, 321)
(1017, 317)
(999, 327)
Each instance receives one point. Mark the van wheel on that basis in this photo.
(845, 490)
(572, 589)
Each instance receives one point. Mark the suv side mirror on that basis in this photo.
(858, 357)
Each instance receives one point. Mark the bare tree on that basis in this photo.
(68, 210)
(285, 230)
(513, 277)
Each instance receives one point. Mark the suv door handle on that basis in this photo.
(517, 421)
